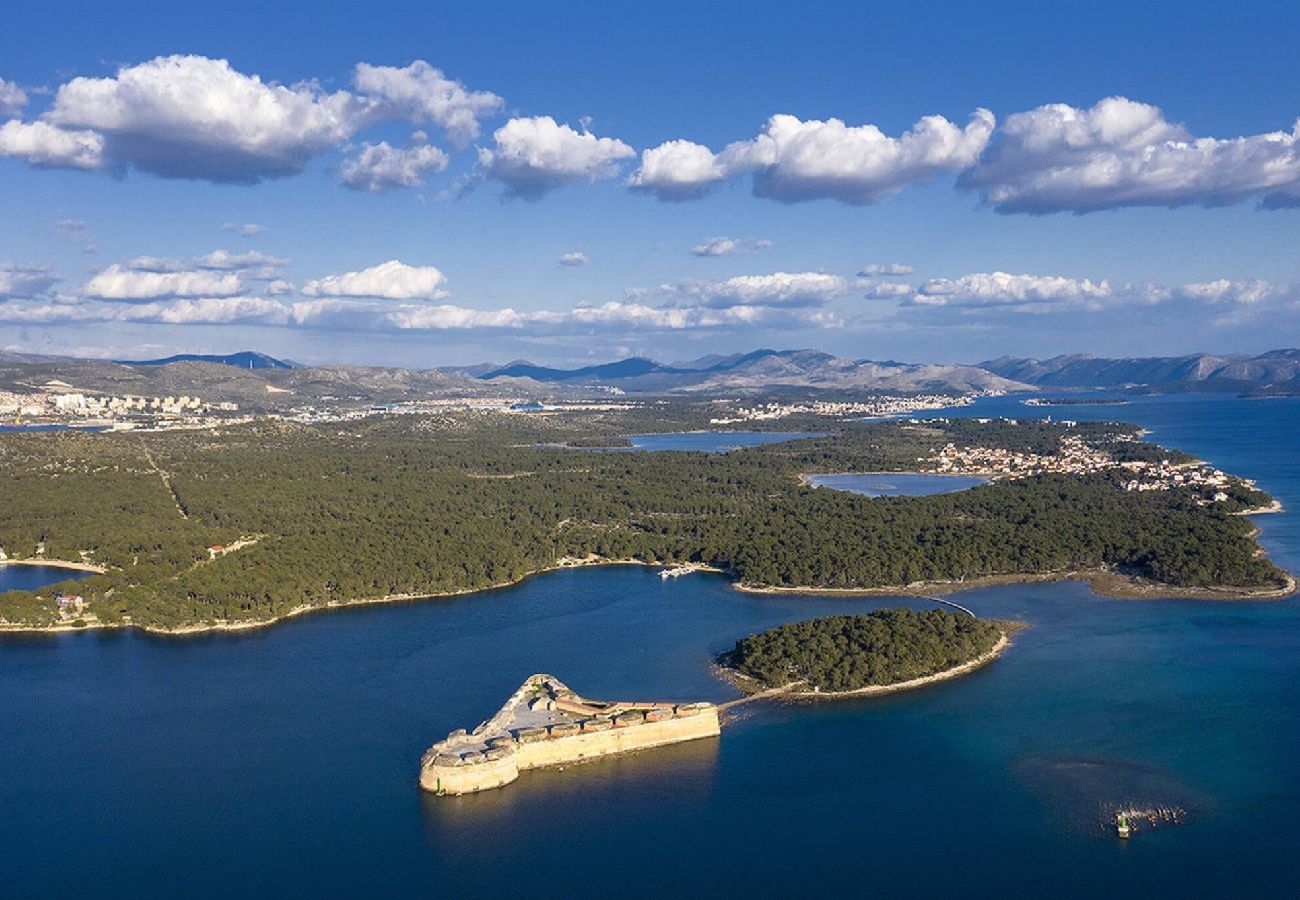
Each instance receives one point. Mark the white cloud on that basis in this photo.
(1123, 153)
(448, 317)
(198, 311)
(678, 170)
(876, 289)
(727, 246)
(1004, 289)
(531, 156)
(381, 167)
(244, 229)
(794, 160)
(195, 117)
(778, 289)
(392, 280)
(207, 311)
(1249, 292)
(124, 283)
(421, 93)
(874, 269)
(254, 263)
(12, 98)
(576, 258)
(25, 280)
(47, 146)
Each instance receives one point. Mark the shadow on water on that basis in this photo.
(680, 773)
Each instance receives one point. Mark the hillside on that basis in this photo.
(764, 370)
(1277, 371)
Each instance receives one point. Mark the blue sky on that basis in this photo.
(791, 148)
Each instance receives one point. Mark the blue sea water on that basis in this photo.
(284, 761)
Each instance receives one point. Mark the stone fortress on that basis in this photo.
(545, 723)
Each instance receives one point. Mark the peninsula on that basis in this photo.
(252, 523)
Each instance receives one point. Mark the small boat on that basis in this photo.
(675, 572)
(1121, 825)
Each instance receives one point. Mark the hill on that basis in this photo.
(1277, 371)
(763, 370)
(245, 359)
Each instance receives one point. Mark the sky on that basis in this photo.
(426, 184)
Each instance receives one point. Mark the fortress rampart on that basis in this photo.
(544, 723)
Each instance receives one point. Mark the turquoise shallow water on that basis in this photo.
(284, 761)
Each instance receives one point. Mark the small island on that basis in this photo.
(855, 655)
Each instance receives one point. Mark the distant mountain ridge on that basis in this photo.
(1277, 371)
(258, 381)
(762, 370)
(244, 359)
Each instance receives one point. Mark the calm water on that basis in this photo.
(29, 578)
(886, 484)
(699, 441)
(284, 761)
(714, 441)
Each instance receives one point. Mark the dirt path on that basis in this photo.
(166, 480)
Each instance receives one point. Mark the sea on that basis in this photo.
(284, 761)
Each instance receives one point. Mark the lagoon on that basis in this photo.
(29, 578)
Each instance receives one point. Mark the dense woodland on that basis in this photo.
(845, 653)
(415, 505)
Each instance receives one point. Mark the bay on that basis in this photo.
(285, 760)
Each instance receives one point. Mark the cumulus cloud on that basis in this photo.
(778, 289)
(1248, 292)
(727, 246)
(875, 269)
(12, 98)
(1120, 152)
(678, 170)
(128, 284)
(877, 289)
(254, 263)
(48, 146)
(576, 258)
(244, 229)
(793, 160)
(392, 280)
(197, 117)
(1005, 289)
(25, 280)
(421, 93)
(200, 311)
(531, 156)
(381, 167)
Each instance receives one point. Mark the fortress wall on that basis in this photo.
(483, 774)
(466, 779)
(618, 740)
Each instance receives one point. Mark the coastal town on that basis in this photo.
(870, 408)
(1076, 457)
(58, 404)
